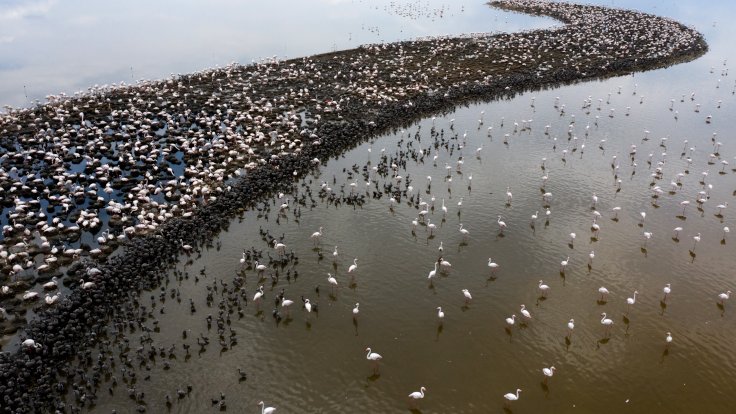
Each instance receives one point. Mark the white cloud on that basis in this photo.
(32, 9)
(6, 39)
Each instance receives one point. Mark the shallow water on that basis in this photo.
(316, 362)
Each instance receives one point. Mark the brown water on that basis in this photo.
(315, 363)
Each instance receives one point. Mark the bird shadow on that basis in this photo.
(601, 302)
(373, 377)
(644, 251)
(440, 328)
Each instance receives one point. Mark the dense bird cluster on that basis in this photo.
(161, 166)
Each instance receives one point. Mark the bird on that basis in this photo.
(631, 301)
(308, 305)
(677, 231)
(356, 310)
(603, 291)
(432, 273)
(543, 288)
(666, 289)
(511, 396)
(525, 312)
(510, 321)
(417, 395)
(501, 224)
(467, 295)
(607, 323)
(591, 256)
(374, 358)
(570, 327)
(563, 264)
(266, 410)
(724, 296)
(52, 284)
(335, 254)
(492, 265)
(286, 303)
(332, 281)
(696, 239)
(317, 236)
(440, 314)
(86, 285)
(668, 339)
(258, 295)
(548, 372)
(431, 226)
(464, 232)
(647, 236)
(353, 267)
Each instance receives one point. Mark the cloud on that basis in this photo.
(6, 39)
(20, 10)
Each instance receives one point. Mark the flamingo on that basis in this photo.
(353, 267)
(266, 410)
(259, 294)
(417, 395)
(86, 285)
(467, 295)
(509, 196)
(446, 266)
(335, 254)
(356, 310)
(374, 358)
(668, 340)
(440, 314)
(444, 208)
(492, 265)
(696, 239)
(53, 284)
(511, 396)
(543, 288)
(563, 264)
(677, 231)
(317, 236)
(607, 323)
(631, 301)
(525, 312)
(724, 296)
(603, 291)
(548, 373)
(260, 267)
(286, 304)
(464, 232)
(595, 200)
(570, 327)
(510, 321)
(615, 212)
(591, 256)
(501, 224)
(332, 281)
(647, 236)
(666, 289)
(432, 273)
(534, 216)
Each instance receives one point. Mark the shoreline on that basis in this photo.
(78, 321)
